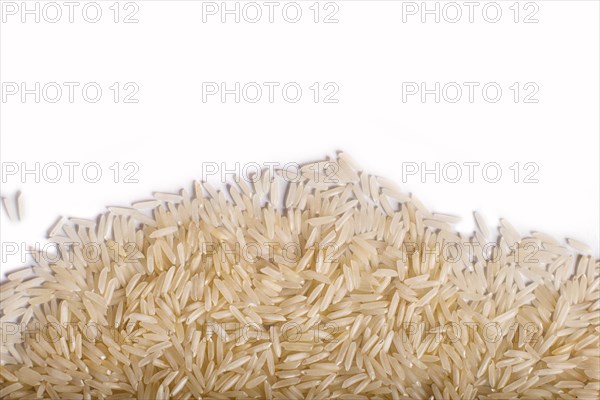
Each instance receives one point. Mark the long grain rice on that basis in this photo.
(343, 290)
(11, 209)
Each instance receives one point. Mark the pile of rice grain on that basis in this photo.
(351, 289)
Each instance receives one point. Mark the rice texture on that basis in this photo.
(334, 284)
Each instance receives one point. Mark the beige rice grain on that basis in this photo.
(341, 290)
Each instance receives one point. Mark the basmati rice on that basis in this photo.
(20, 206)
(348, 289)
(11, 209)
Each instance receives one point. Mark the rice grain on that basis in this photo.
(345, 289)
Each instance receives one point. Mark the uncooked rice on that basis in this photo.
(13, 208)
(347, 289)
(20, 206)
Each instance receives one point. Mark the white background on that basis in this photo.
(368, 54)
